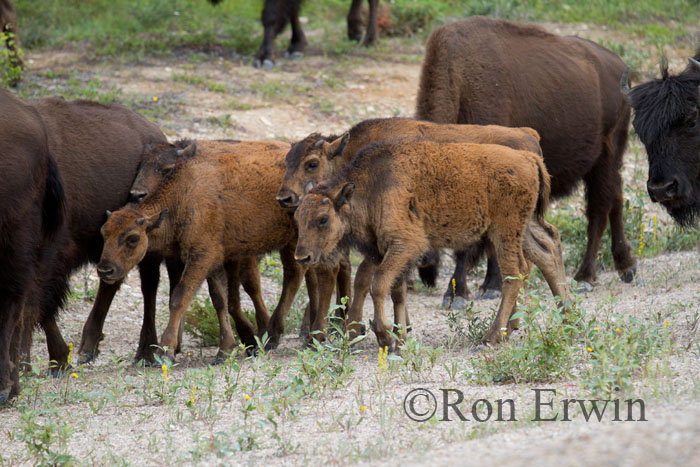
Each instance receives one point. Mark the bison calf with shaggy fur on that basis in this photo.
(397, 200)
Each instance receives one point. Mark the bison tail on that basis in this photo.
(429, 267)
(545, 189)
(53, 212)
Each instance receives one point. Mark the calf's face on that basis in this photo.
(125, 236)
(307, 161)
(158, 163)
(322, 223)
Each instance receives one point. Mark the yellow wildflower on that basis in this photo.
(589, 349)
(165, 372)
(247, 397)
(70, 352)
(617, 330)
(155, 99)
(75, 375)
(382, 358)
(454, 287)
(363, 408)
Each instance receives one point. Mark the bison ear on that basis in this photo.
(344, 196)
(308, 186)
(154, 224)
(188, 152)
(336, 147)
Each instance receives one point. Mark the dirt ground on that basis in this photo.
(364, 421)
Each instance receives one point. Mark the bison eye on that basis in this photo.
(132, 241)
(313, 165)
(323, 220)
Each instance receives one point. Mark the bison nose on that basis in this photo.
(287, 199)
(137, 196)
(105, 270)
(664, 191)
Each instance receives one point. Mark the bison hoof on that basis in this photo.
(296, 55)
(628, 276)
(86, 357)
(271, 346)
(488, 294)
(584, 287)
(459, 303)
(266, 64)
(303, 333)
(5, 395)
(57, 372)
(220, 359)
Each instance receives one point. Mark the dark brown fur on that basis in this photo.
(486, 71)
(98, 149)
(31, 219)
(397, 200)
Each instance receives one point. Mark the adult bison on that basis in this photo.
(31, 214)
(98, 149)
(487, 71)
(666, 120)
(277, 13)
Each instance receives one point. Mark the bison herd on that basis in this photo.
(507, 117)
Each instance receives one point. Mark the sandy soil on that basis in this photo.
(327, 95)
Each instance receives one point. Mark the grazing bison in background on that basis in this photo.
(8, 25)
(318, 158)
(98, 149)
(398, 200)
(31, 217)
(277, 13)
(487, 71)
(666, 120)
(212, 210)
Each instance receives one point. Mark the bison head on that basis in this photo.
(323, 222)
(158, 163)
(666, 120)
(125, 237)
(308, 160)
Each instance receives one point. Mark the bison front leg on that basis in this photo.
(92, 329)
(192, 277)
(397, 257)
(250, 279)
(291, 281)
(326, 284)
(363, 280)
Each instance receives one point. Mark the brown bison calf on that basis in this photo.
(397, 200)
(488, 71)
(214, 210)
(318, 158)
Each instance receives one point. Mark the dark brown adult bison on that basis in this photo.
(487, 71)
(98, 149)
(277, 13)
(666, 120)
(31, 215)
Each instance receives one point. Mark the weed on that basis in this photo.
(467, 325)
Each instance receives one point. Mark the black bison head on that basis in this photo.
(666, 120)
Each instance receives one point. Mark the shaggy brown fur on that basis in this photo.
(397, 200)
(97, 148)
(215, 209)
(318, 158)
(31, 219)
(487, 71)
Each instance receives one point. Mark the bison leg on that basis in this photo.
(326, 284)
(11, 308)
(457, 293)
(363, 280)
(398, 298)
(57, 347)
(625, 263)
(250, 279)
(291, 281)
(298, 43)
(312, 306)
(355, 21)
(192, 277)
(344, 284)
(509, 251)
(92, 329)
(224, 290)
(491, 288)
(371, 34)
(397, 257)
(149, 272)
